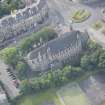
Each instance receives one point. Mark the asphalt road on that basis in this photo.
(66, 8)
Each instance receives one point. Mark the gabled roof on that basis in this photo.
(60, 43)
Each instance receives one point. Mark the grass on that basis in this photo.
(97, 25)
(47, 97)
(80, 16)
(72, 95)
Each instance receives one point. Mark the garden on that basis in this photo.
(80, 15)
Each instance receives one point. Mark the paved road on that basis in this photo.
(7, 80)
(65, 8)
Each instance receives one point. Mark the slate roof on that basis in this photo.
(61, 43)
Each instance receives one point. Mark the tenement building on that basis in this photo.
(23, 22)
(55, 53)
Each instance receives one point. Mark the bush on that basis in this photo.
(54, 78)
(22, 70)
(41, 37)
(10, 56)
(80, 16)
(7, 6)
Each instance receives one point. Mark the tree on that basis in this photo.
(6, 6)
(94, 58)
(85, 62)
(26, 45)
(45, 34)
(4, 9)
(102, 60)
(25, 87)
(93, 46)
(15, 4)
(22, 69)
(10, 56)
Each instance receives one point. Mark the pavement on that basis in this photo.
(7, 81)
(65, 8)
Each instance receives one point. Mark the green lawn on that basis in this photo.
(43, 98)
(72, 95)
